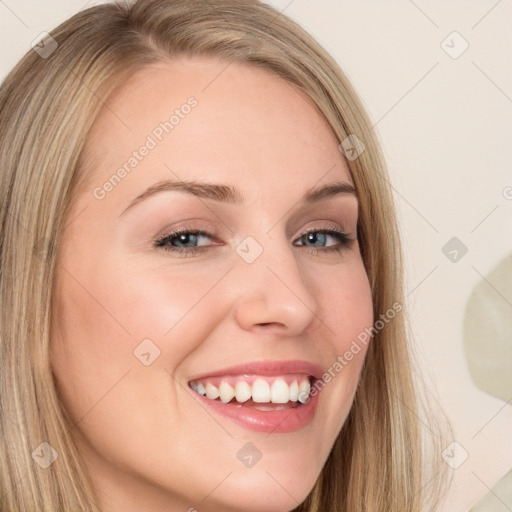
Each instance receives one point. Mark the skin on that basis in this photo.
(147, 442)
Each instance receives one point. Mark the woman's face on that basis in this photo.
(263, 301)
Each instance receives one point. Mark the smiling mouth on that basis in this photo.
(265, 393)
(278, 397)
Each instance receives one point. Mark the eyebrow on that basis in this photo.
(232, 195)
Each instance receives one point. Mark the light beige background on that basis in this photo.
(446, 127)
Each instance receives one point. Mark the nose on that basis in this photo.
(272, 294)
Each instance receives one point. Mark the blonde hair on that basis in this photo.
(379, 461)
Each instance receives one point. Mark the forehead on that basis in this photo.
(212, 120)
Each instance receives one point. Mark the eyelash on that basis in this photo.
(345, 241)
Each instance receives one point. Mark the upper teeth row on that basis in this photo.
(260, 391)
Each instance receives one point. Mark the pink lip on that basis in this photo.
(279, 421)
(268, 368)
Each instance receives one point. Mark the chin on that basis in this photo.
(259, 491)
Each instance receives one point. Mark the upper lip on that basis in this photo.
(268, 368)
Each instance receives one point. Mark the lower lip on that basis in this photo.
(279, 422)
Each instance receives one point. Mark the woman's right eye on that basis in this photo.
(184, 241)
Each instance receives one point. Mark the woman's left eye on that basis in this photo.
(322, 239)
(189, 242)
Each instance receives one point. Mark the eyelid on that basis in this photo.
(315, 229)
(336, 227)
(207, 229)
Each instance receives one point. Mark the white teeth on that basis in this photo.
(211, 391)
(279, 393)
(294, 391)
(243, 391)
(226, 392)
(260, 391)
(304, 389)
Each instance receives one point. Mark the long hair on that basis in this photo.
(48, 104)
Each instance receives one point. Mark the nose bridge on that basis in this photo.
(271, 287)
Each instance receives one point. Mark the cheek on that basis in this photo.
(346, 303)
(111, 315)
(172, 305)
(347, 311)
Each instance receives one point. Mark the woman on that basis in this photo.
(201, 288)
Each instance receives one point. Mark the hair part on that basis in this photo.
(48, 107)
